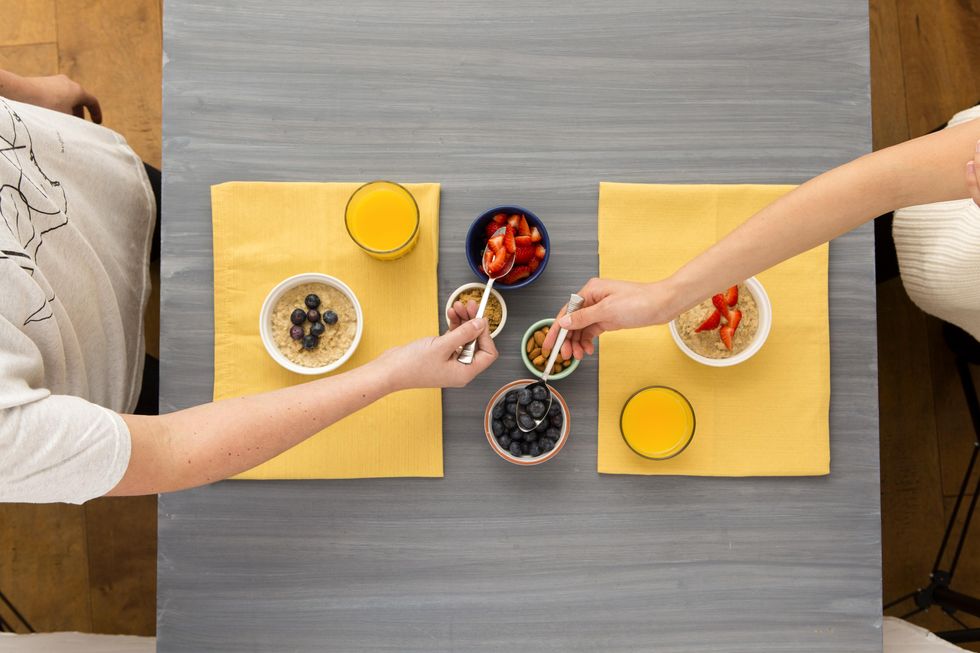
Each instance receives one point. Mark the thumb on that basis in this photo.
(581, 318)
(464, 333)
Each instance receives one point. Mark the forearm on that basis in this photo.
(925, 170)
(213, 441)
(14, 87)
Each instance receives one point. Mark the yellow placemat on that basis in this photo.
(765, 417)
(265, 232)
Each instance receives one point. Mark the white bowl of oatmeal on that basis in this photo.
(328, 341)
(707, 347)
(495, 313)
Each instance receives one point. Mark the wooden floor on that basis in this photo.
(92, 568)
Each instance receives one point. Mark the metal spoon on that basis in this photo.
(574, 302)
(466, 354)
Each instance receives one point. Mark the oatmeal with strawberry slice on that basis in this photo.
(721, 326)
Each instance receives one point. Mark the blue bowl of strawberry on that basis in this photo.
(525, 239)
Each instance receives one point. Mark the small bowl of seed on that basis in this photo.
(495, 313)
(535, 356)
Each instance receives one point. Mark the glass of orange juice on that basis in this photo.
(382, 218)
(657, 422)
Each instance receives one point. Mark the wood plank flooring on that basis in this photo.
(93, 568)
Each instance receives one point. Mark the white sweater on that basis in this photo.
(938, 248)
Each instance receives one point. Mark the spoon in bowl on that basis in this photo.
(530, 422)
(497, 259)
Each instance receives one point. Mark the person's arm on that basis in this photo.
(921, 171)
(57, 92)
(213, 441)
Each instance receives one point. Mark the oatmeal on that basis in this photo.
(313, 324)
(710, 341)
(493, 311)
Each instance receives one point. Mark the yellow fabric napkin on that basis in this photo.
(765, 417)
(265, 232)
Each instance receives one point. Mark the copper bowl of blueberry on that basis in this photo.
(516, 401)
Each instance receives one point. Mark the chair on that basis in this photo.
(938, 592)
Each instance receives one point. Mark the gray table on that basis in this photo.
(533, 103)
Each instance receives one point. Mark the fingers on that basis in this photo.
(582, 318)
(471, 308)
(471, 330)
(552, 336)
(973, 175)
(486, 353)
(94, 108)
(456, 314)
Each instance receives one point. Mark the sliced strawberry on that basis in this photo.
(519, 272)
(533, 264)
(535, 235)
(495, 243)
(498, 263)
(711, 323)
(492, 227)
(524, 254)
(722, 306)
(514, 221)
(509, 244)
(522, 241)
(500, 219)
(523, 229)
(731, 296)
(539, 252)
(726, 333)
(734, 319)
(487, 260)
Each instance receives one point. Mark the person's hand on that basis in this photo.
(609, 305)
(60, 93)
(973, 175)
(459, 313)
(431, 362)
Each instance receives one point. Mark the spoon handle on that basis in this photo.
(574, 303)
(469, 349)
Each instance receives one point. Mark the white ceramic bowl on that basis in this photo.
(765, 324)
(479, 286)
(265, 321)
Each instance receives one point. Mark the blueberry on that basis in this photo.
(534, 450)
(317, 329)
(531, 436)
(537, 409)
(524, 397)
(330, 317)
(553, 433)
(298, 316)
(313, 315)
(504, 441)
(555, 409)
(515, 449)
(310, 341)
(525, 422)
(516, 435)
(557, 420)
(312, 301)
(296, 332)
(511, 396)
(512, 408)
(526, 447)
(546, 444)
(509, 422)
(498, 427)
(498, 410)
(540, 393)
(542, 427)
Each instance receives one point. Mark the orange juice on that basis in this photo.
(382, 218)
(657, 422)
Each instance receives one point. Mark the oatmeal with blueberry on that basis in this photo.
(314, 324)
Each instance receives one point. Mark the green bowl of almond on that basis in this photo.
(535, 356)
